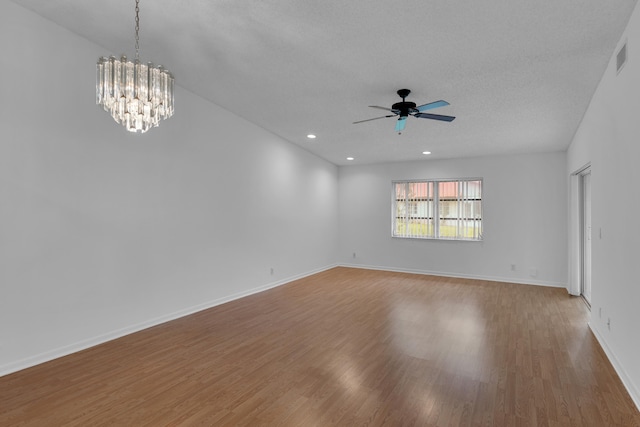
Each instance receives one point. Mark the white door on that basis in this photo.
(585, 179)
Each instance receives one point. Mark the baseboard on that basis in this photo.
(101, 339)
(624, 377)
(460, 275)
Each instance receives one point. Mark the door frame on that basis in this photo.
(585, 235)
(576, 236)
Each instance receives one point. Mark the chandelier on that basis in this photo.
(136, 95)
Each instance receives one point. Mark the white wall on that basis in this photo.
(609, 138)
(103, 232)
(524, 205)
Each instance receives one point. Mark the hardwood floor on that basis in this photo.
(344, 347)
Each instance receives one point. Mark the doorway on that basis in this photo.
(584, 178)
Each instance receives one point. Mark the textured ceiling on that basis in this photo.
(518, 74)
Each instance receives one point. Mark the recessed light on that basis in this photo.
(350, 158)
(311, 136)
(426, 153)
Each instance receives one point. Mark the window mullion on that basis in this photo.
(436, 210)
(407, 210)
(462, 192)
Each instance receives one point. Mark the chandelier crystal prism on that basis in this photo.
(136, 95)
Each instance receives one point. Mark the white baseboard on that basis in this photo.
(101, 339)
(624, 377)
(460, 275)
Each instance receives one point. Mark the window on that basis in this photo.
(438, 209)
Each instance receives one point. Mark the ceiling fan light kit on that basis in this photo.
(404, 109)
(136, 95)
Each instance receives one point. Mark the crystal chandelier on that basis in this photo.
(136, 95)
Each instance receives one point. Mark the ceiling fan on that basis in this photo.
(404, 109)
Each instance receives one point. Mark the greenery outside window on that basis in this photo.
(438, 209)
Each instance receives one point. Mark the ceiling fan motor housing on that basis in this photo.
(404, 107)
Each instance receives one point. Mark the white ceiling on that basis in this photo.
(518, 74)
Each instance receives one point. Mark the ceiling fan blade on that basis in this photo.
(402, 121)
(431, 105)
(375, 118)
(384, 108)
(434, 117)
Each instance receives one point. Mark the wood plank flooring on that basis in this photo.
(345, 347)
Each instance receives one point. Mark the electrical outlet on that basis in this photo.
(600, 312)
(354, 254)
(513, 267)
(609, 323)
(272, 271)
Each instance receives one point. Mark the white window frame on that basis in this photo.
(433, 208)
